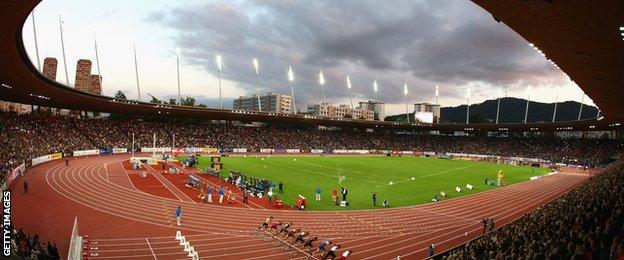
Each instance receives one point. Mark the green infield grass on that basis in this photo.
(403, 181)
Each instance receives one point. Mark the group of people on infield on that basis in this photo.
(302, 240)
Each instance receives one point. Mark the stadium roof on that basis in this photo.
(582, 37)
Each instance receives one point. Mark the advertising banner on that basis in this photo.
(266, 150)
(239, 150)
(293, 151)
(86, 152)
(120, 150)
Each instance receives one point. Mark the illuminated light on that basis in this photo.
(219, 61)
(256, 65)
(348, 82)
(375, 88)
(291, 75)
(7, 86)
(321, 78)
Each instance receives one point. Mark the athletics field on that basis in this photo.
(414, 180)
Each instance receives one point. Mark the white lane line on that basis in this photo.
(150, 247)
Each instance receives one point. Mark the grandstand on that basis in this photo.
(73, 183)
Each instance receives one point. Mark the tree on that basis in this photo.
(155, 100)
(188, 101)
(120, 95)
(202, 105)
(172, 101)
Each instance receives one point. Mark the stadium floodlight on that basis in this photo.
(322, 82)
(219, 61)
(291, 78)
(437, 94)
(257, 70)
(405, 101)
(349, 89)
(376, 89)
(556, 101)
(136, 71)
(498, 104)
(581, 107)
(35, 36)
(63, 49)
(468, 105)
(178, 73)
(526, 111)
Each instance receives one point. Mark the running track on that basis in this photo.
(125, 223)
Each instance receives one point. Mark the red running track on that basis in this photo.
(127, 223)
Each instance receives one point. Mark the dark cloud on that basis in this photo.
(423, 43)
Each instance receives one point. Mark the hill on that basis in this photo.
(511, 111)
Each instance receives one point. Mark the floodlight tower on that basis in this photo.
(178, 75)
(498, 104)
(291, 78)
(349, 89)
(63, 49)
(136, 71)
(405, 101)
(581, 107)
(526, 111)
(257, 70)
(376, 89)
(219, 61)
(468, 106)
(556, 101)
(322, 82)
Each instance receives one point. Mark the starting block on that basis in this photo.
(178, 235)
(191, 251)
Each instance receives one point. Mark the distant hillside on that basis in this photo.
(511, 111)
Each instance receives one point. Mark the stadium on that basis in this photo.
(93, 169)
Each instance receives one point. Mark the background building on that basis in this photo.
(85, 81)
(341, 111)
(49, 68)
(427, 112)
(379, 108)
(271, 102)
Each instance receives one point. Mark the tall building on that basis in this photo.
(49, 68)
(85, 81)
(342, 111)
(379, 108)
(427, 110)
(270, 102)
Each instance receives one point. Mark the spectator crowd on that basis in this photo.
(586, 223)
(24, 137)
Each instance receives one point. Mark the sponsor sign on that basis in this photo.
(293, 151)
(239, 150)
(120, 150)
(157, 149)
(45, 158)
(266, 150)
(86, 152)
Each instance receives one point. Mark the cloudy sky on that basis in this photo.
(453, 44)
